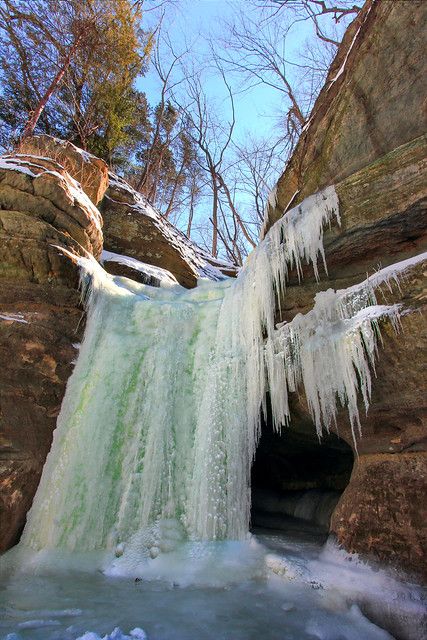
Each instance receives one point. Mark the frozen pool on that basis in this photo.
(291, 588)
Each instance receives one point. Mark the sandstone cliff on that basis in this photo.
(366, 136)
(42, 210)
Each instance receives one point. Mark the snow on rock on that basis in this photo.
(91, 172)
(154, 276)
(43, 188)
(134, 228)
(35, 166)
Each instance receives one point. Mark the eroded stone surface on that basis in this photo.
(91, 172)
(383, 510)
(42, 210)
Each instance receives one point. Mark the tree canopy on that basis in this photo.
(76, 69)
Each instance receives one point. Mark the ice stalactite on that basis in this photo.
(161, 417)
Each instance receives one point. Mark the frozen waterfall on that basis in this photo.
(161, 417)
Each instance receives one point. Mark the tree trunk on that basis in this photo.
(234, 212)
(34, 117)
(215, 218)
(190, 220)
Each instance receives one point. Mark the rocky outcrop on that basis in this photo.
(373, 101)
(134, 229)
(366, 136)
(42, 211)
(88, 170)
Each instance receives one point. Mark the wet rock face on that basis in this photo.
(42, 210)
(366, 136)
(383, 509)
(39, 336)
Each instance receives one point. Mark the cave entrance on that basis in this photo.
(296, 478)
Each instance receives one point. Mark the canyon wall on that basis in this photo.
(366, 135)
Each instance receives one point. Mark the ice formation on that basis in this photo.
(15, 317)
(116, 634)
(161, 417)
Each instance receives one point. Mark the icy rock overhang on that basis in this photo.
(328, 352)
(169, 374)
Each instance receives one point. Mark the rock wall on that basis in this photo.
(373, 101)
(367, 136)
(42, 210)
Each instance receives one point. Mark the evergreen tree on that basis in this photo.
(103, 49)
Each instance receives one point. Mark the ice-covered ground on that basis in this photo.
(271, 586)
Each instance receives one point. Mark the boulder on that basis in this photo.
(133, 228)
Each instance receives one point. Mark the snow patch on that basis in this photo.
(15, 317)
(163, 277)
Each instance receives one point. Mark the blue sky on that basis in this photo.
(257, 110)
(260, 111)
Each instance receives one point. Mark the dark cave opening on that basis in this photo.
(296, 477)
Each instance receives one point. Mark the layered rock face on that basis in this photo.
(42, 211)
(367, 137)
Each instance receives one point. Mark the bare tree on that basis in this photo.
(213, 136)
(257, 54)
(314, 10)
(165, 118)
(257, 167)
